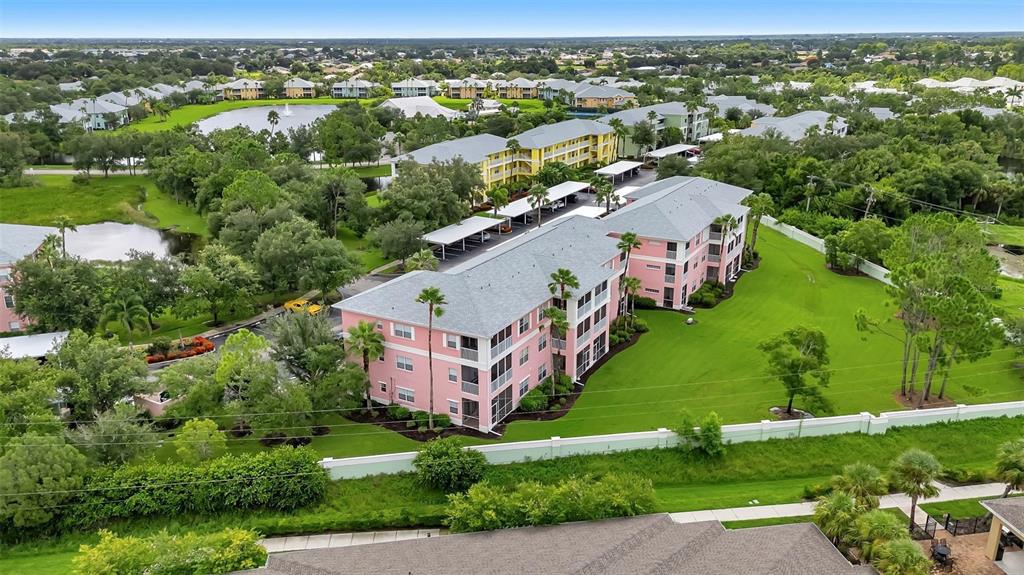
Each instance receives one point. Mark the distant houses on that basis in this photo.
(353, 88)
(412, 106)
(242, 89)
(793, 128)
(742, 103)
(414, 87)
(694, 124)
(299, 88)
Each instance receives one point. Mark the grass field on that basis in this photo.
(372, 171)
(1004, 234)
(960, 509)
(113, 199)
(192, 113)
(371, 257)
(463, 103)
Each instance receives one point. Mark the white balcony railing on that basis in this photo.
(470, 387)
(600, 324)
(715, 237)
(582, 336)
(558, 343)
(501, 380)
(470, 354)
(501, 347)
(714, 258)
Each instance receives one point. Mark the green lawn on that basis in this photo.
(373, 171)
(960, 509)
(1004, 234)
(746, 523)
(463, 103)
(114, 199)
(43, 563)
(371, 257)
(192, 113)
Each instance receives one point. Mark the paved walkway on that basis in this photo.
(901, 502)
(279, 544)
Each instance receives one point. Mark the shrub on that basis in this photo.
(708, 295)
(442, 421)
(284, 478)
(642, 302)
(80, 179)
(486, 507)
(534, 400)
(443, 464)
(160, 346)
(816, 224)
(420, 418)
(705, 438)
(640, 325)
(398, 413)
(163, 554)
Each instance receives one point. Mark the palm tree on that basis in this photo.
(630, 286)
(559, 326)
(621, 131)
(434, 299)
(604, 191)
(628, 242)
(760, 205)
(499, 198)
(49, 249)
(902, 557)
(876, 528)
(422, 260)
(127, 310)
(863, 482)
(64, 223)
(727, 223)
(836, 514)
(538, 195)
(913, 473)
(561, 280)
(364, 340)
(273, 118)
(1010, 465)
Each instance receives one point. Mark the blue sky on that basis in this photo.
(490, 18)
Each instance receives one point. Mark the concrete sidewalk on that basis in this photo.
(899, 501)
(299, 543)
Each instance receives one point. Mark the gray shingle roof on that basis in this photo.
(473, 149)
(592, 91)
(794, 127)
(18, 241)
(633, 116)
(549, 134)
(677, 208)
(493, 290)
(1010, 510)
(651, 544)
(422, 105)
(298, 83)
(742, 102)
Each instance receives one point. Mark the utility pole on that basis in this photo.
(870, 202)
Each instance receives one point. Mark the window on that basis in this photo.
(652, 267)
(524, 387)
(380, 326)
(453, 407)
(406, 394)
(584, 300)
(542, 372)
(501, 405)
(687, 245)
(401, 330)
(453, 375)
(524, 324)
(600, 346)
(451, 341)
(651, 290)
(670, 249)
(542, 313)
(524, 356)
(8, 301)
(501, 336)
(600, 314)
(403, 363)
(583, 329)
(542, 342)
(622, 256)
(501, 366)
(583, 360)
(383, 387)
(5, 277)
(686, 266)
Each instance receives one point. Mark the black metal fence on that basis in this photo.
(968, 526)
(926, 531)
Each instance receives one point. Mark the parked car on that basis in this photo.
(302, 305)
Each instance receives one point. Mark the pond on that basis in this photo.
(255, 118)
(111, 241)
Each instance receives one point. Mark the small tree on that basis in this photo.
(914, 473)
(876, 528)
(1010, 465)
(115, 437)
(794, 356)
(368, 344)
(706, 439)
(902, 557)
(199, 441)
(863, 482)
(538, 195)
(46, 471)
(760, 205)
(398, 239)
(422, 260)
(836, 515)
(443, 464)
(435, 301)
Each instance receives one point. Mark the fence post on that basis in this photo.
(879, 425)
(959, 408)
(765, 428)
(556, 446)
(865, 422)
(663, 437)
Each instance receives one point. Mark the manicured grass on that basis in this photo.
(371, 257)
(373, 171)
(463, 103)
(192, 113)
(373, 200)
(57, 563)
(960, 509)
(747, 523)
(1012, 301)
(113, 199)
(1004, 234)
(715, 364)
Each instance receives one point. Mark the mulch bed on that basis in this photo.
(780, 414)
(910, 401)
(380, 417)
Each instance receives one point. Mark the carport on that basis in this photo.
(685, 150)
(619, 170)
(458, 232)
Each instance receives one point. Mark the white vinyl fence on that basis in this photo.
(870, 269)
(595, 444)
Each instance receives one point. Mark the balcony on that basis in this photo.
(714, 258)
(558, 343)
(581, 311)
(502, 346)
(600, 324)
(470, 387)
(501, 380)
(715, 237)
(470, 354)
(670, 254)
(670, 279)
(582, 336)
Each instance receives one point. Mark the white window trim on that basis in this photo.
(411, 392)
(412, 331)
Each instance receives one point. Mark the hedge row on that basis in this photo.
(283, 478)
(163, 554)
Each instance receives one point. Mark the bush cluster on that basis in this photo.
(623, 328)
(283, 478)
(161, 350)
(443, 464)
(643, 302)
(814, 223)
(164, 554)
(540, 397)
(708, 295)
(487, 507)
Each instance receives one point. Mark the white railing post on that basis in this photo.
(663, 437)
(959, 408)
(865, 422)
(556, 446)
(766, 426)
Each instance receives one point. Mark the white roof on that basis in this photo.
(620, 167)
(35, 345)
(516, 208)
(671, 150)
(564, 189)
(450, 234)
(422, 105)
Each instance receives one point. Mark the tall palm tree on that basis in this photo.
(621, 131)
(127, 310)
(559, 326)
(364, 340)
(538, 195)
(49, 249)
(604, 191)
(835, 514)
(435, 301)
(1010, 465)
(630, 286)
(64, 223)
(876, 528)
(727, 223)
(628, 242)
(760, 205)
(422, 260)
(863, 482)
(561, 280)
(273, 118)
(914, 473)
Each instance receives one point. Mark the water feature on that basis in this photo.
(112, 241)
(255, 118)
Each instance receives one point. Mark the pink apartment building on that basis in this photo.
(16, 242)
(493, 345)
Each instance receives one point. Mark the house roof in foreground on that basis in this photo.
(18, 241)
(549, 134)
(1009, 510)
(473, 149)
(422, 105)
(651, 544)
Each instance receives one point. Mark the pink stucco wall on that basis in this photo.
(9, 319)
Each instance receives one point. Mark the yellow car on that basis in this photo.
(300, 305)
